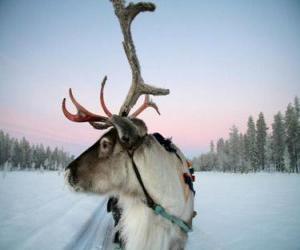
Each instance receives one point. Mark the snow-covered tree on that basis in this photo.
(251, 144)
(26, 153)
(234, 149)
(6, 168)
(16, 153)
(292, 130)
(22, 155)
(244, 165)
(46, 164)
(297, 110)
(261, 140)
(2, 149)
(220, 155)
(257, 149)
(278, 142)
(269, 166)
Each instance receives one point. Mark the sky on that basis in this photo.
(222, 61)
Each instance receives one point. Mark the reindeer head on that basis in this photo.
(103, 167)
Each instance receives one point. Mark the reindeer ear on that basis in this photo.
(129, 130)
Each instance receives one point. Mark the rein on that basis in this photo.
(158, 209)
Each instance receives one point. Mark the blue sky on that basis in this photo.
(222, 60)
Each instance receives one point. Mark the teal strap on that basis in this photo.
(118, 247)
(179, 222)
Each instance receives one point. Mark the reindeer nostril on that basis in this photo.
(73, 179)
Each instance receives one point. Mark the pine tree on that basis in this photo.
(269, 153)
(251, 144)
(297, 106)
(226, 162)
(220, 154)
(212, 147)
(234, 149)
(5, 148)
(244, 168)
(26, 154)
(261, 139)
(21, 155)
(212, 157)
(292, 128)
(297, 110)
(2, 156)
(50, 163)
(278, 142)
(16, 153)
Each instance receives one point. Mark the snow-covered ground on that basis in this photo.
(253, 211)
(247, 211)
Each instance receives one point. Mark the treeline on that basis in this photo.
(20, 154)
(260, 148)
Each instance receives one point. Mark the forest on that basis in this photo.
(20, 154)
(260, 148)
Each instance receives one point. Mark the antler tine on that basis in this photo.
(147, 103)
(100, 126)
(81, 110)
(126, 15)
(83, 115)
(105, 109)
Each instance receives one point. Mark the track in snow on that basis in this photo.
(96, 233)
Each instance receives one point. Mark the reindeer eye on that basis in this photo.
(105, 147)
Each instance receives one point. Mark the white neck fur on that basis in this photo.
(140, 227)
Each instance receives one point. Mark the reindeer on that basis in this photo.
(157, 204)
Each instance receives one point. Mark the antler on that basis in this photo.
(83, 115)
(138, 87)
(147, 103)
(105, 109)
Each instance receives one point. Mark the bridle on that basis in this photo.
(157, 209)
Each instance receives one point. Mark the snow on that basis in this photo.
(247, 211)
(37, 211)
(235, 211)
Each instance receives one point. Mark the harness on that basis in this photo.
(168, 146)
(157, 209)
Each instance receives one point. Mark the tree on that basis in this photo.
(244, 167)
(26, 153)
(212, 156)
(297, 106)
(269, 154)
(16, 153)
(234, 149)
(5, 148)
(297, 110)
(278, 142)
(226, 162)
(251, 144)
(212, 147)
(20, 154)
(2, 152)
(261, 139)
(220, 155)
(292, 130)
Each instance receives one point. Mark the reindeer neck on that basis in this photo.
(142, 229)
